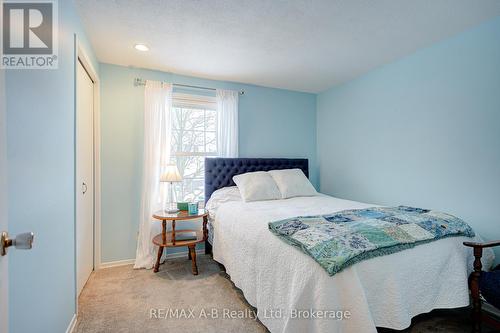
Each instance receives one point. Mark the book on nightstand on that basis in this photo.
(183, 236)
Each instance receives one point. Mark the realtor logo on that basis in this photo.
(29, 34)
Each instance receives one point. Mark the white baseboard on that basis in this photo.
(116, 263)
(182, 254)
(131, 261)
(72, 324)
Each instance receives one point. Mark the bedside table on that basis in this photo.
(167, 239)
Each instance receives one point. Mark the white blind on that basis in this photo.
(183, 100)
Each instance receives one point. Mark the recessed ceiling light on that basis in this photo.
(141, 47)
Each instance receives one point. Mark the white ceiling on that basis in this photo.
(305, 45)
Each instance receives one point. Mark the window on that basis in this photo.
(194, 137)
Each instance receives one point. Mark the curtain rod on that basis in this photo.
(141, 82)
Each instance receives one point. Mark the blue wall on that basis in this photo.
(41, 173)
(422, 131)
(272, 123)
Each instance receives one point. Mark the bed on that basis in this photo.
(289, 289)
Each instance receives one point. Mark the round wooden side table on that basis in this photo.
(167, 239)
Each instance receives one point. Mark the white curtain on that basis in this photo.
(227, 129)
(157, 133)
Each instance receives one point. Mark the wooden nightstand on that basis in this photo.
(167, 239)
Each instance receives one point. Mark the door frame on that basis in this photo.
(81, 56)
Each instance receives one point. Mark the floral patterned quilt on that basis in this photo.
(341, 239)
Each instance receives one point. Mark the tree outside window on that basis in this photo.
(194, 137)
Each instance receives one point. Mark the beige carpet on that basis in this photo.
(125, 300)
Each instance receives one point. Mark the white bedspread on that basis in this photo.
(381, 292)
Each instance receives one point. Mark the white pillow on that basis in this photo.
(257, 186)
(293, 183)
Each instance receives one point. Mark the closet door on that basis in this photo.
(84, 177)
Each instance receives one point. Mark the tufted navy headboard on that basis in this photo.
(219, 172)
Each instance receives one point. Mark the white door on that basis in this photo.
(84, 177)
(4, 313)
